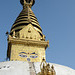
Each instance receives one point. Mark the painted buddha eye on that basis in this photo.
(23, 56)
(33, 56)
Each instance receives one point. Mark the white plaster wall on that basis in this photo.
(22, 68)
(60, 70)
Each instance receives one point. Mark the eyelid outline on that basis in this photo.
(33, 53)
(23, 55)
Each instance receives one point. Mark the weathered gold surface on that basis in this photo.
(18, 45)
(26, 17)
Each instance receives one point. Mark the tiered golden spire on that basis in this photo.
(26, 17)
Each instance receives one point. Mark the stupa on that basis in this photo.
(27, 46)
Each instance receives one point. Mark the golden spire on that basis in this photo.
(26, 17)
(26, 41)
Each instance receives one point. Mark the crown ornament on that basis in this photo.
(30, 3)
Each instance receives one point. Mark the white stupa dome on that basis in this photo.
(26, 68)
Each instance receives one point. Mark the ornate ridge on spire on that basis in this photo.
(27, 2)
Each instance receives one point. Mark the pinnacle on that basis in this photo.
(30, 2)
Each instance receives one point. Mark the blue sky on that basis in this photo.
(57, 20)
